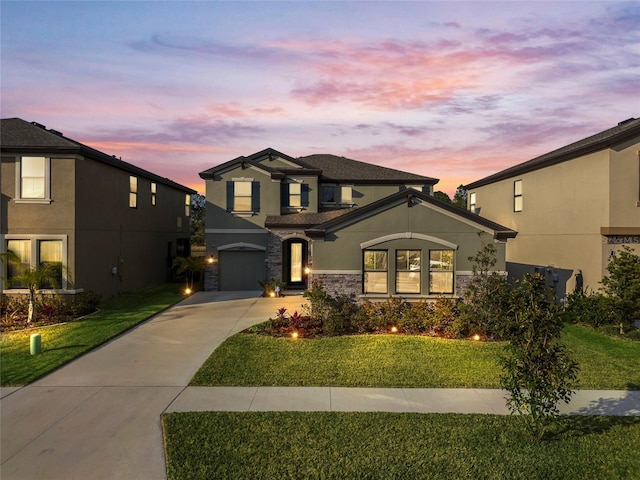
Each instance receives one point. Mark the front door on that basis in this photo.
(296, 256)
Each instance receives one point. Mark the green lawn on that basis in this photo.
(403, 361)
(331, 445)
(63, 343)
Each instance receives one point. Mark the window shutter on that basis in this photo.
(229, 196)
(284, 194)
(305, 195)
(255, 196)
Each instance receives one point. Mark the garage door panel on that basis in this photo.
(241, 270)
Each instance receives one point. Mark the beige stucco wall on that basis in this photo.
(566, 207)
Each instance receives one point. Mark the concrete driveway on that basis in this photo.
(99, 416)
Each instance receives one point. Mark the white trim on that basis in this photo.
(242, 179)
(242, 246)
(295, 235)
(237, 231)
(335, 272)
(405, 235)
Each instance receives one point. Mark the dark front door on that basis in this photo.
(296, 254)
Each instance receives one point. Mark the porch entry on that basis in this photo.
(296, 257)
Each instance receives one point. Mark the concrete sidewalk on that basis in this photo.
(99, 416)
(417, 400)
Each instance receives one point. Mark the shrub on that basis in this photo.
(446, 318)
(537, 370)
(418, 318)
(594, 309)
(342, 310)
(623, 283)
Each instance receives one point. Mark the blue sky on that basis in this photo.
(452, 90)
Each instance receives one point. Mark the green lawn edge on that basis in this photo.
(338, 445)
(403, 361)
(65, 342)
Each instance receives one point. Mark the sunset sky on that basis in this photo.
(452, 90)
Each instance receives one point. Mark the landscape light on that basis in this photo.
(476, 337)
(187, 291)
(394, 329)
(294, 334)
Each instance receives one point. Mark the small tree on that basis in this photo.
(537, 370)
(623, 282)
(460, 198)
(44, 276)
(487, 297)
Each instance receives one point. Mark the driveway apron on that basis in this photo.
(99, 416)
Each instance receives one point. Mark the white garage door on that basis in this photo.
(241, 270)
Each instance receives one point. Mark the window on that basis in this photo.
(517, 196)
(328, 194)
(50, 253)
(472, 202)
(295, 195)
(36, 251)
(375, 271)
(154, 191)
(407, 271)
(441, 271)
(346, 194)
(32, 179)
(187, 205)
(133, 192)
(243, 196)
(22, 250)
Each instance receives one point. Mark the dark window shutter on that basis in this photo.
(284, 194)
(255, 196)
(305, 195)
(229, 196)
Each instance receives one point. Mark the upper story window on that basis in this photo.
(133, 192)
(517, 196)
(154, 191)
(243, 196)
(328, 194)
(295, 195)
(346, 194)
(33, 179)
(187, 205)
(472, 202)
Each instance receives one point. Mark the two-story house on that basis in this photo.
(572, 207)
(357, 227)
(112, 225)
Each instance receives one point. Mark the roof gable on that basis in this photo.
(623, 132)
(20, 136)
(412, 198)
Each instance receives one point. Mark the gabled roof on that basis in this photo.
(20, 136)
(329, 168)
(623, 132)
(410, 196)
(347, 170)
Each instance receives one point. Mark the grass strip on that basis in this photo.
(336, 445)
(62, 343)
(403, 361)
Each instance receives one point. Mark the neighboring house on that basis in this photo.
(358, 228)
(112, 225)
(572, 207)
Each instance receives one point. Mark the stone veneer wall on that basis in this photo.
(462, 282)
(339, 283)
(211, 277)
(274, 256)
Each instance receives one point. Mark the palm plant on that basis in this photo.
(35, 278)
(188, 266)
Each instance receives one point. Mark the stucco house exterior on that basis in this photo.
(112, 225)
(572, 207)
(357, 227)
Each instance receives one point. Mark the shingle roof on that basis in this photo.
(20, 136)
(342, 169)
(606, 139)
(303, 219)
(330, 168)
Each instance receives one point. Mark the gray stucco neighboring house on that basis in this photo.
(358, 227)
(112, 225)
